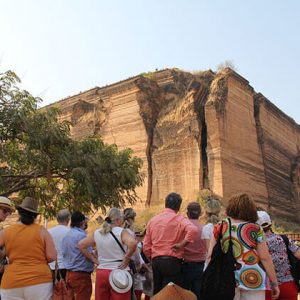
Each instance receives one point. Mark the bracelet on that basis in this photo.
(273, 284)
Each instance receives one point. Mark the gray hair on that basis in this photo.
(63, 216)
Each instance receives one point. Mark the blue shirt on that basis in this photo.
(73, 259)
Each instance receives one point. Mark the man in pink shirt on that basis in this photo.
(194, 254)
(166, 236)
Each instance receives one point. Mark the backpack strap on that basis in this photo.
(229, 227)
(286, 241)
(221, 229)
(220, 233)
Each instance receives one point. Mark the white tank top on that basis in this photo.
(110, 254)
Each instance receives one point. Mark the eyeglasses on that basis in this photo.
(6, 211)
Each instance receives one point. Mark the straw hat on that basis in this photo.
(174, 292)
(5, 203)
(120, 280)
(29, 204)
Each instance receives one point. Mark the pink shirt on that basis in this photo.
(165, 230)
(195, 252)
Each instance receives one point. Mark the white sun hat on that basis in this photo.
(264, 219)
(120, 280)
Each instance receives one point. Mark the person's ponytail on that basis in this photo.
(212, 210)
(113, 214)
(212, 218)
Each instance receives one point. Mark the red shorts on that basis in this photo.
(288, 291)
(103, 290)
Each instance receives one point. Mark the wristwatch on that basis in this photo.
(273, 284)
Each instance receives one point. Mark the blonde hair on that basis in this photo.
(212, 210)
(129, 215)
(111, 217)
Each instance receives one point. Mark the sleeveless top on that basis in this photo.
(26, 252)
(110, 254)
(250, 274)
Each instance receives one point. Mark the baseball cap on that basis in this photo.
(264, 219)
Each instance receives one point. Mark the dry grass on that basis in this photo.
(285, 226)
(144, 214)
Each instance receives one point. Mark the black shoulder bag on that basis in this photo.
(294, 262)
(218, 281)
(131, 262)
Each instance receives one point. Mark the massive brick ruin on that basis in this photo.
(194, 131)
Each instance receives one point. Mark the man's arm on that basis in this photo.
(191, 232)
(51, 253)
(83, 247)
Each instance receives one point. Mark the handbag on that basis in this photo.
(131, 262)
(294, 262)
(60, 291)
(148, 283)
(218, 281)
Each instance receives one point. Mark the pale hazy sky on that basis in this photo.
(62, 47)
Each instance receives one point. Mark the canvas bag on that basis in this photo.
(294, 262)
(60, 291)
(218, 281)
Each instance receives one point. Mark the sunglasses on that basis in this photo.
(6, 210)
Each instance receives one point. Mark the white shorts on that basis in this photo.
(41, 291)
(249, 295)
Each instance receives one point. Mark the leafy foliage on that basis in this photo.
(39, 158)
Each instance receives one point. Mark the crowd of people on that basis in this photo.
(174, 248)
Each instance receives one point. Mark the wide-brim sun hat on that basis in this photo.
(5, 203)
(29, 204)
(120, 280)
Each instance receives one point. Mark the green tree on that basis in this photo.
(39, 158)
